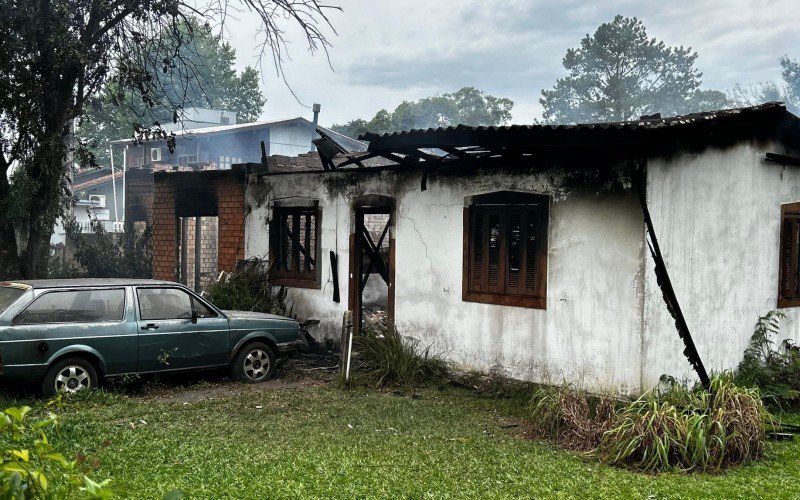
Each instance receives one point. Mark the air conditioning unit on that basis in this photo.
(155, 155)
(97, 200)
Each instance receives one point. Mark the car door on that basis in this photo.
(88, 319)
(178, 331)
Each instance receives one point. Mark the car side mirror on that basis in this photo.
(194, 316)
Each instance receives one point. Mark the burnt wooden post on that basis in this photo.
(198, 252)
(668, 292)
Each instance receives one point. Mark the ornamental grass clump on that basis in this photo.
(572, 418)
(386, 358)
(687, 429)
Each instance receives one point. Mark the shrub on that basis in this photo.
(104, 255)
(248, 288)
(572, 418)
(710, 432)
(773, 369)
(387, 359)
(31, 468)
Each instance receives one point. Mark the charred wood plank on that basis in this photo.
(782, 159)
(335, 273)
(668, 292)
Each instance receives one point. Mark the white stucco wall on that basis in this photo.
(717, 217)
(590, 333)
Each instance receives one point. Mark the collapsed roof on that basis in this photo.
(547, 143)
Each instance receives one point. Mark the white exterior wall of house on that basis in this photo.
(290, 140)
(606, 327)
(717, 215)
(590, 332)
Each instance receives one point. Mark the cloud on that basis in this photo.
(391, 51)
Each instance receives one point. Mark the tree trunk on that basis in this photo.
(9, 260)
(47, 167)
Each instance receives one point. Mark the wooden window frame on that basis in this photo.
(294, 279)
(503, 204)
(790, 221)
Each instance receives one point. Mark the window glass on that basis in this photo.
(75, 306)
(8, 296)
(201, 309)
(164, 303)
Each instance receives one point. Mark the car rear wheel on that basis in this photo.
(254, 363)
(69, 375)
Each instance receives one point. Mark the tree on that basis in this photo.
(790, 71)
(618, 73)
(787, 91)
(118, 111)
(58, 54)
(467, 106)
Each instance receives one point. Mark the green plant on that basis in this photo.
(773, 369)
(248, 288)
(101, 254)
(31, 467)
(706, 432)
(572, 418)
(388, 359)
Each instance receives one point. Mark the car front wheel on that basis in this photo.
(69, 375)
(254, 363)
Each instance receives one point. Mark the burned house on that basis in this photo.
(524, 249)
(204, 148)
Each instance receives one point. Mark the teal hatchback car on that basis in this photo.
(68, 335)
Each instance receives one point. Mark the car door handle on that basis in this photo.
(150, 326)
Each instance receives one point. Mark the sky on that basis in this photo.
(386, 51)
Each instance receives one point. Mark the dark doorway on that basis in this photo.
(372, 269)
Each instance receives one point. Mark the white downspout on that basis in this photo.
(124, 179)
(114, 185)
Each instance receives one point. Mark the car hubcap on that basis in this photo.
(72, 378)
(256, 365)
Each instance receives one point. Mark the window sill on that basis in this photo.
(788, 303)
(295, 283)
(505, 300)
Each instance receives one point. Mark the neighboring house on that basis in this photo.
(221, 146)
(194, 118)
(97, 197)
(522, 249)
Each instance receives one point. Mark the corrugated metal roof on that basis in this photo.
(645, 123)
(243, 127)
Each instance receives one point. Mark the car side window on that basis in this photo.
(164, 303)
(201, 309)
(74, 306)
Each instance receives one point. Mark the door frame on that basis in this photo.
(355, 293)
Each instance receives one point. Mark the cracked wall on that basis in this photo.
(590, 332)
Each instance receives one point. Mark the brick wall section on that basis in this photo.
(165, 238)
(230, 200)
(306, 161)
(176, 191)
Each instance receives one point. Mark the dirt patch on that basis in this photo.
(299, 371)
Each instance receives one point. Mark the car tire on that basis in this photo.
(254, 363)
(69, 375)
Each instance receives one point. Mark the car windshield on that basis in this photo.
(8, 296)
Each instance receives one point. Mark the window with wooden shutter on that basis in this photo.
(294, 246)
(505, 249)
(789, 291)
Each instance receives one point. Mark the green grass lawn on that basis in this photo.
(323, 442)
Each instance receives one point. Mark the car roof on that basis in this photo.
(86, 282)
